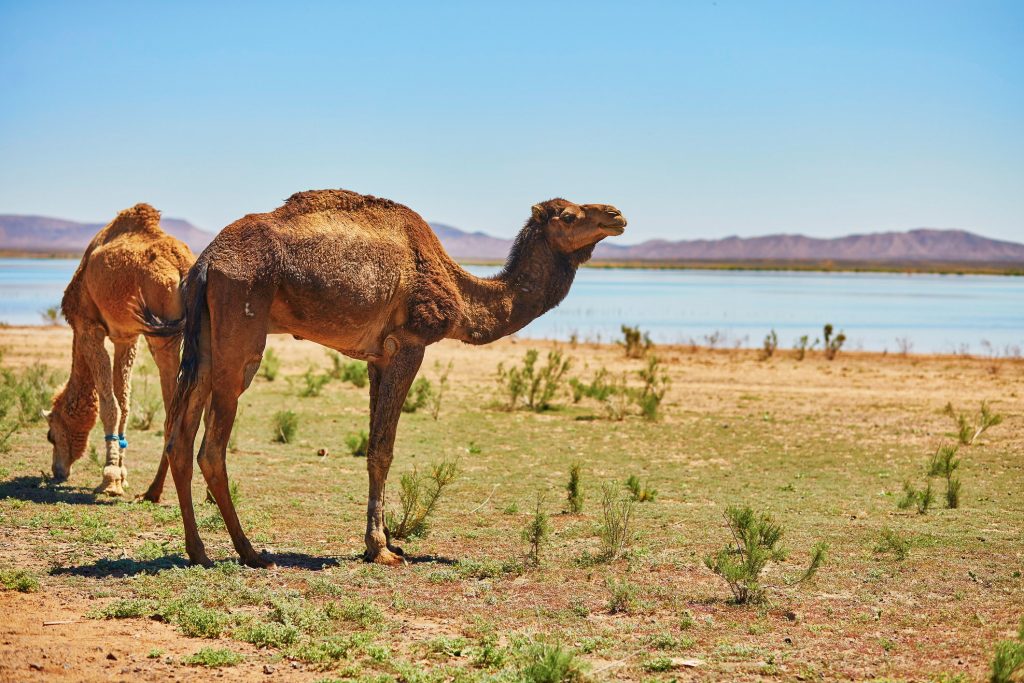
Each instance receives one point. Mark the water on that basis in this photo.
(877, 311)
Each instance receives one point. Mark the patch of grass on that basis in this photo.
(18, 580)
(892, 541)
(313, 383)
(418, 495)
(128, 608)
(325, 652)
(652, 392)
(214, 657)
(536, 533)
(622, 595)
(574, 489)
(922, 499)
(286, 425)
(437, 395)
(642, 493)
(1008, 659)
(535, 386)
(546, 663)
(196, 621)
(354, 372)
(358, 443)
(419, 395)
(270, 365)
(267, 634)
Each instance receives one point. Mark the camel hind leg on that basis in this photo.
(165, 352)
(99, 365)
(124, 359)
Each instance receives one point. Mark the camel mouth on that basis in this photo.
(614, 230)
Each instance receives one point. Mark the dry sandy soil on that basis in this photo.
(823, 446)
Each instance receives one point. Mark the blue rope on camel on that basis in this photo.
(119, 438)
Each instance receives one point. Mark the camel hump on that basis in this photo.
(312, 201)
(140, 217)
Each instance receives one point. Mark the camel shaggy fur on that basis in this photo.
(366, 277)
(129, 259)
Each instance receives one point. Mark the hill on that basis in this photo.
(48, 235)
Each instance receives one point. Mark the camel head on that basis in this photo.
(576, 228)
(68, 436)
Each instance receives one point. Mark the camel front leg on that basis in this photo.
(124, 359)
(390, 382)
(99, 365)
(165, 352)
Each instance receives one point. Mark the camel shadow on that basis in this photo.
(35, 489)
(120, 568)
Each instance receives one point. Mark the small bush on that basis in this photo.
(196, 621)
(891, 541)
(615, 531)
(270, 365)
(438, 394)
(286, 424)
(1008, 660)
(655, 385)
(358, 443)
(912, 497)
(622, 598)
(537, 386)
(832, 344)
(953, 493)
(313, 383)
(574, 489)
(544, 663)
(967, 431)
(536, 533)
(419, 395)
(944, 462)
(755, 544)
(214, 657)
(642, 493)
(635, 342)
(51, 315)
(18, 580)
(354, 372)
(129, 608)
(802, 346)
(267, 634)
(771, 342)
(418, 495)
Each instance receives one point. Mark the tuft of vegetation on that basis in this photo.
(944, 463)
(313, 383)
(418, 494)
(51, 315)
(655, 384)
(802, 346)
(270, 365)
(536, 386)
(286, 424)
(832, 344)
(214, 657)
(354, 372)
(768, 346)
(438, 394)
(922, 499)
(545, 663)
(358, 443)
(536, 533)
(892, 541)
(1008, 660)
(635, 342)
(18, 580)
(146, 404)
(968, 431)
(419, 395)
(574, 489)
(615, 531)
(23, 396)
(622, 598)
(642, 493)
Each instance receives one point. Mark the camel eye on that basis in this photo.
(49, 437)
(569, 218)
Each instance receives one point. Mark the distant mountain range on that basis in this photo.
(953, 246)
(48, 235)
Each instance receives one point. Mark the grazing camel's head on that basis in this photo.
(573, 227)
(68, 433)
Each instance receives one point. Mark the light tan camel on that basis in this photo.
(366, 277)
(128, 260)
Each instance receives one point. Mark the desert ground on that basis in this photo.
(823, 446)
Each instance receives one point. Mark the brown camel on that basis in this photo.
(129, 259)
(366, 277)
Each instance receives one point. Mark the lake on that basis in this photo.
(877, 311)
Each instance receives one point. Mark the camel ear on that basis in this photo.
(46, 413)
(539, 214)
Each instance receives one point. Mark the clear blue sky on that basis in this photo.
(697, 119)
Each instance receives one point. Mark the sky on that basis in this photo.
(697, 119)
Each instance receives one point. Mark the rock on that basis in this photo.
(322, 452)
(268, 669)
(36, 667)
(792, 616)
(111, 656)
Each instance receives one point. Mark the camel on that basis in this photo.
(366, 277)
(128, 260)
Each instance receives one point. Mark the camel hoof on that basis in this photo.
(111, 488)
(388, 558)
(149, 496)
(200, 560)
(258, 561)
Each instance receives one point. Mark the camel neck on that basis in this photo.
(534, 280)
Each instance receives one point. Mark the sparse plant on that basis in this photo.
(214, 657)
(146, 404)
(418, 396)
(892, 541)
(418, 495)
(358, 443)
(442, 384)
(768, 346)
(832, 344)
(574, 489)
(270, 365)
(922, 499)
(354, 372)
(650, 395)
(536, 386)
(537, 532)
(641, 492)
(944, 462)
(545, 663)
(953, 492)
(904, 345)
(635, 342)
(18, 580)
(1008, 660)
(622, 598)
(51, 315)
(616, 531)
(286, 424)
(313, 383)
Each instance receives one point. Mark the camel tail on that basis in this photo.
(194, 294)
(153, 324)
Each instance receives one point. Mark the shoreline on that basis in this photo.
(776, 265)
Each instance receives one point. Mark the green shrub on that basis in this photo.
(655, 384)
(438, 394)
(802, 346)
(544, 663)
(891, 541)
(354, 372)
(196, 621)
(536, 386)
(635, 342)
(419, 395)
(832, 344)
(128, 608)
(536, 533)
(771, 342)
(313, 383)
(51, 315)
(214, 657)
(574, 489)
(944, 462)
(622, 595)
(953, 492)
(968, 431)
(267, 634)
(615, 531)
(1008, 660)
(358, 443)
(418, 495)
(286, 424)
(18, 580)
(270, 365)
(642, 493)
(912, 497)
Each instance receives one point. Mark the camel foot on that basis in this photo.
(386, 557)
(258, 561)
(150, 495)
(111, 482)
(200, 558)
